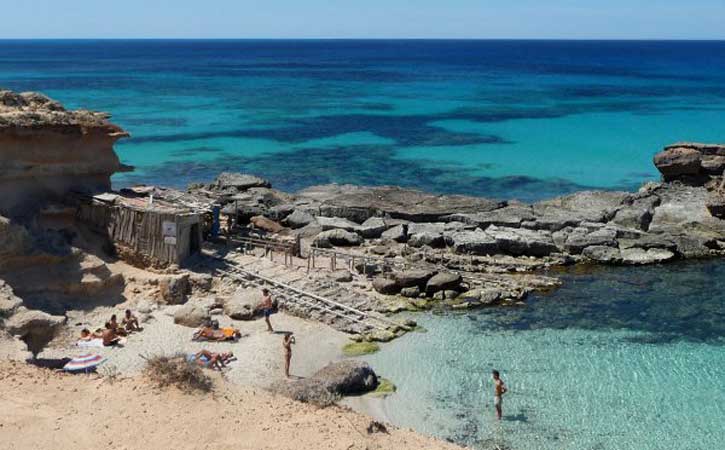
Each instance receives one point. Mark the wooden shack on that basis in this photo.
(144, 230)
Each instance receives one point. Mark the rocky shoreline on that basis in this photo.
(404, 250)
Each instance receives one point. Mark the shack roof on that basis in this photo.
(153, 198)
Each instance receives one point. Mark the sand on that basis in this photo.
(43, 409)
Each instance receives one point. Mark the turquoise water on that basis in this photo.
(621, 359)
(616, 359)
(505, 119)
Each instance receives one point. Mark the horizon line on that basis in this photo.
(592, 39)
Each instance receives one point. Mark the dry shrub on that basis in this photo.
(177, 371)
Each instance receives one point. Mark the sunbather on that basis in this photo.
(212, 360)
(86, 335)
(109, 336)
(221, 334)
(116, 327)
(130, 322)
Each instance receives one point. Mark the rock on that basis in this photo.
(146, 306)
(341, 276)
(603, 254)
(410, 292)
(475, 242)
(398, 233)
(280, 212)
(386, 286)
(334, 223)
(676, 163)
(373, 228)
(347, 377)
(716, 205)
(192, 314)
(431, 239)
(265, 224)
(239, 181)
(35, 328)
(636, 256)
(48, 152)
(333, 238)
(299, 218)
(443, 281)
(519, 241)
(245, 304)
(713, 165)
(14, 241)
(410, 278)
(358, 203)
(9, 303)
(200, 281)
(509, 216)
(175, 289)
(580, 238)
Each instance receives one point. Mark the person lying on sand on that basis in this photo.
(116, 327)
(211, 360)
(221, 334)
(86, 335)
(109, 336)
(130, 322)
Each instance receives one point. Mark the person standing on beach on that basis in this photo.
(287, 342)
(267, 307)
(499, 388)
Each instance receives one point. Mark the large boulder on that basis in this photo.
(475, 242)
(398, 233)
(174, 289)
(337, 237)
(330, 383)
(637, 256)
(192, 314)
(410, 278)
(427, 238)
(244, 304)
(581, 238)
(299, 218)
(239, 181)
(443, 281)
(386, 286)
(333, 223)
(603, 254)
(678, 163)
(35, 328)
(373, 227)
(265, 224)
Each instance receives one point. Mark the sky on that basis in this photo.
(543, 19)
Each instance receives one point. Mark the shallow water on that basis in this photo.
(523, 119)
(617, 359)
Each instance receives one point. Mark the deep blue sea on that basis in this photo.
(523, 119)
(628, 358)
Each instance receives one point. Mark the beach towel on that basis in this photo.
(83, 363)
(90, 344)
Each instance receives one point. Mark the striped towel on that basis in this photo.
(83, 362)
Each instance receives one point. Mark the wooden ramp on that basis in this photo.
(314, 306)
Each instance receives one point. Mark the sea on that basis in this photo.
(618, 358)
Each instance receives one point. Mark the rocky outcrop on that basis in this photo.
(47, 152)
(35, 328)
(690, 162)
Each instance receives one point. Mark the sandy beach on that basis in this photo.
(42, 409)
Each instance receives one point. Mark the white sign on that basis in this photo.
(168, 229)
(170, 240)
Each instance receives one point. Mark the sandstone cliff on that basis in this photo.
(47, 151)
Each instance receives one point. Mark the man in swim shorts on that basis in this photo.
(499, 388)
(267, 307)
